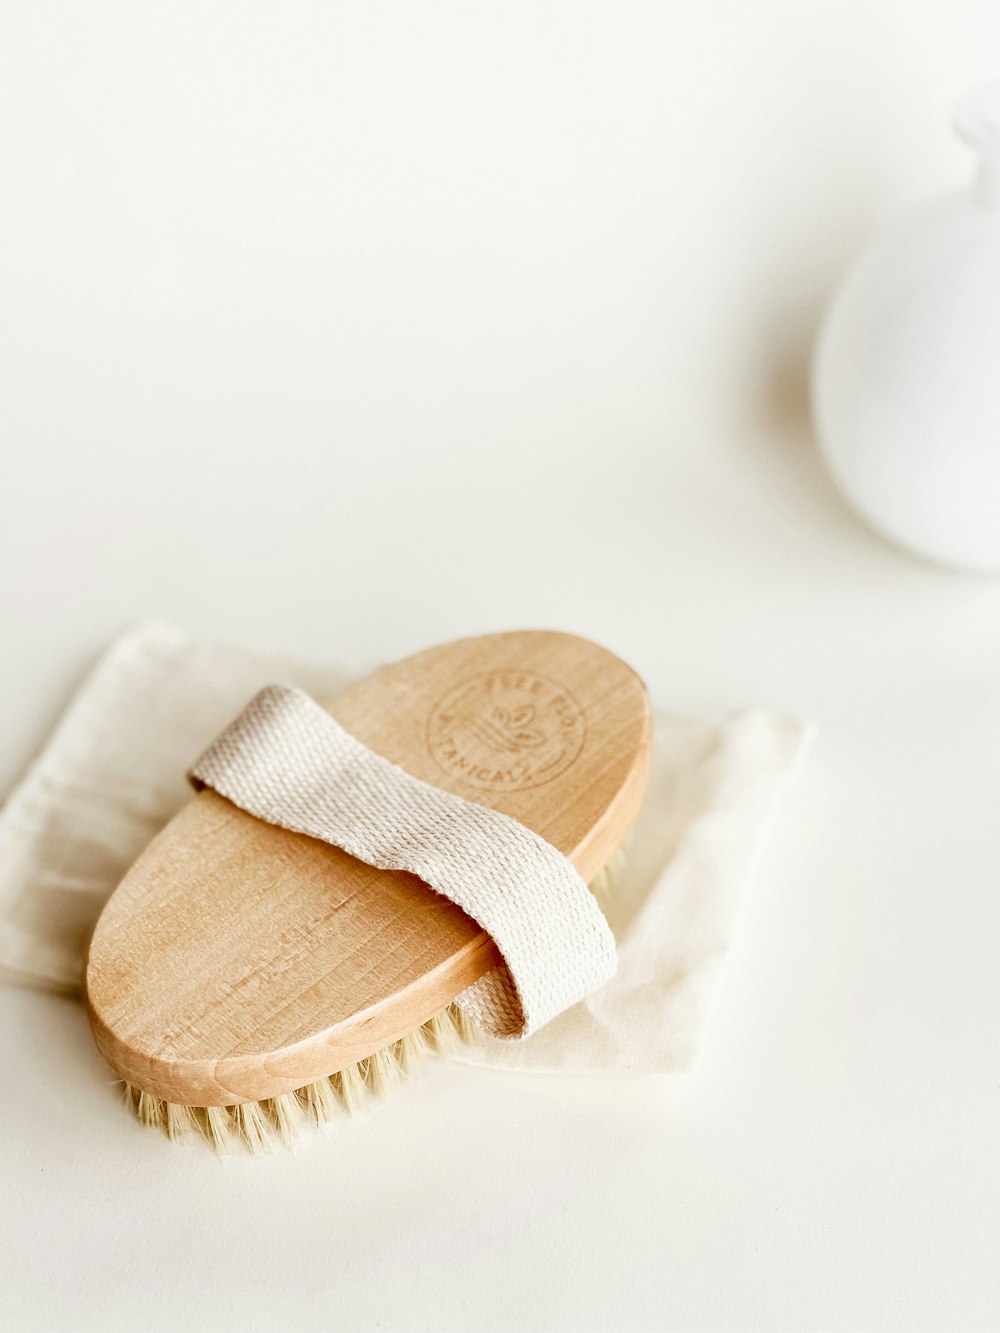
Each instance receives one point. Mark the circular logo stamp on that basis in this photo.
(506, 730)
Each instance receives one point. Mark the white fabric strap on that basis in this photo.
(285, 760)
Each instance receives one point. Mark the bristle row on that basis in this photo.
(605, 883)
(257, 1126)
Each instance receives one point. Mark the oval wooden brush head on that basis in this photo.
(238, 961)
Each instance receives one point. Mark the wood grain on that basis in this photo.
(237, 960)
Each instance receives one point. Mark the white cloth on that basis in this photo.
(114, 769)
(285, 760)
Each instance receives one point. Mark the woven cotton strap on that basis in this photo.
(288, 762)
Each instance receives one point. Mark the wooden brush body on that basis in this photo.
(238, 961)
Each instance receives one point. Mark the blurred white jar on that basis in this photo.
(906, 377)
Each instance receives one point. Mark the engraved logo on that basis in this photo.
(506, 730)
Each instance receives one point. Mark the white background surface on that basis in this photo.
(346, 329)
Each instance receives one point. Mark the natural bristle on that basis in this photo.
(605, 883)
(179, 1121)
(258, 1126)
(254, 1126)
(217, 1126)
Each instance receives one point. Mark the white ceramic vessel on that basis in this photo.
(906, 377)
